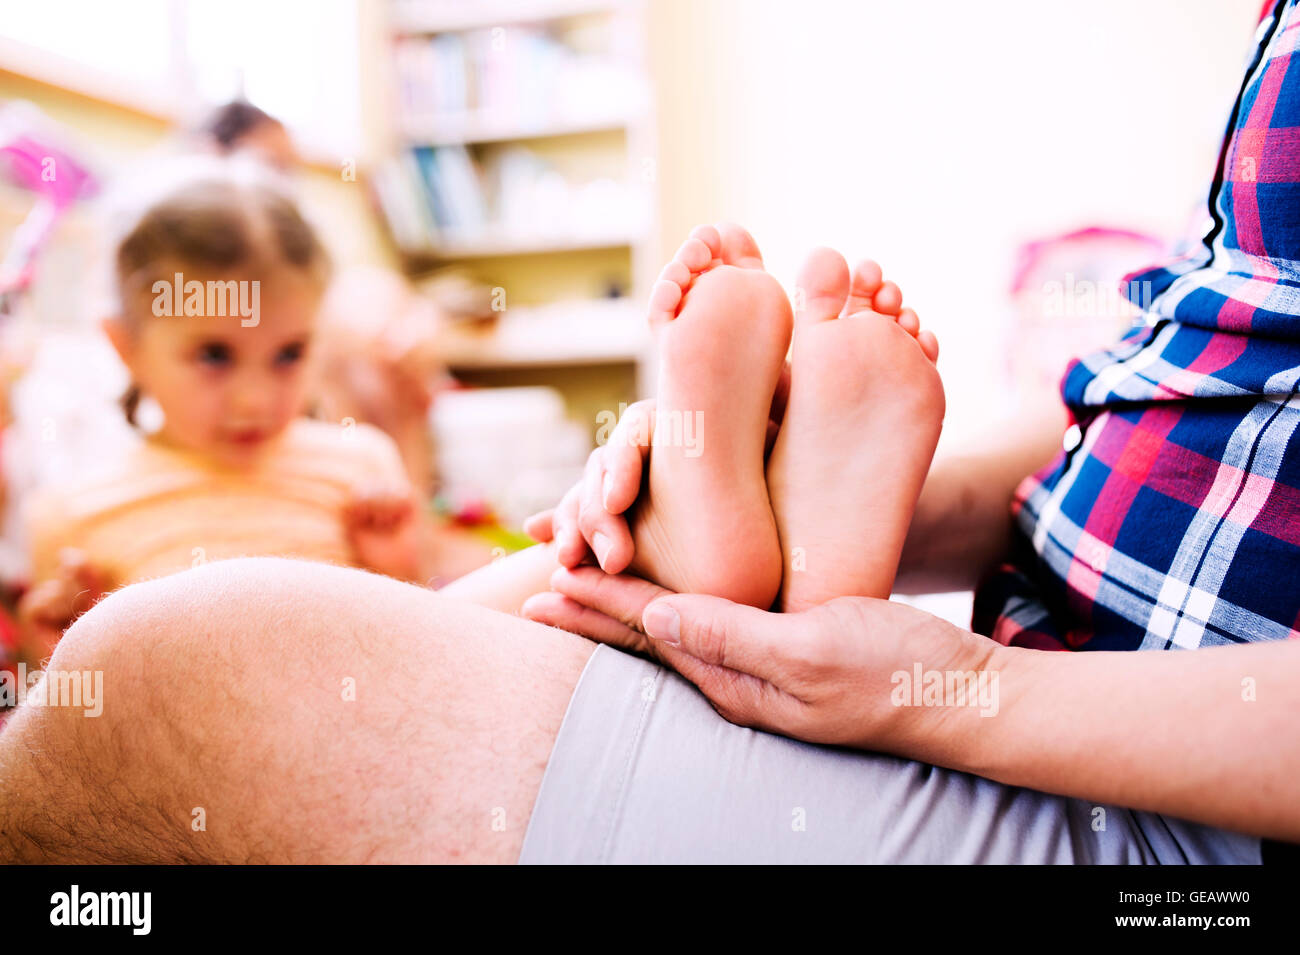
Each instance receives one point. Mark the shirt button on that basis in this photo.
(1073, 438)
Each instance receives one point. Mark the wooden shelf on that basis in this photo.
(494, 358)
(489, 247)
(446, 16)
(470, 129)
(565, 334)
(58, 72)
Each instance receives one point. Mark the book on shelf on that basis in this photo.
(506, 77)
(402, 203)
(452, 188)
(464, 83)
(440, 199)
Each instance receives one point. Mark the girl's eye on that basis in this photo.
(215, 354)
(290, 354)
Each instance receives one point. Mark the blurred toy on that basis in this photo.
(31, 157)
(1069, 300)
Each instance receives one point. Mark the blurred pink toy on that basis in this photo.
(30, 159)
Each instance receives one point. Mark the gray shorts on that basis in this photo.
(645, 771)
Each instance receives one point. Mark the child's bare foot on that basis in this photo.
(863, 418)
(705, 524)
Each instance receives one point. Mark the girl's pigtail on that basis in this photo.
(130, 402)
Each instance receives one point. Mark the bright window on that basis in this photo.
(297, 59)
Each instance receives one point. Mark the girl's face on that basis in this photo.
(226, 389)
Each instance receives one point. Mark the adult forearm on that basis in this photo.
(962, 525)
(1208, 735)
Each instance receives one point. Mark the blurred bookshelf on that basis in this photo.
(442, 16)
(566, 334)
(520, 156)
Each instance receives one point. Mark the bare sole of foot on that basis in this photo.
(864, 414)
(704, 523)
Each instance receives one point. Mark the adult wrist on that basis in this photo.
(998, 742)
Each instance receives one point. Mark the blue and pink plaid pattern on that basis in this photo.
(1174, 520)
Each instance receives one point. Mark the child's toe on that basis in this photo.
(676, 272)
(821, 286)
(739, 247)
(929, 344)
(709, 236)
(888, 300)
(908, 321)
(865, 284)
(694, 254)
(664, 299)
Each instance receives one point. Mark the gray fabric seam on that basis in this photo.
(620, 789)
(546, 773)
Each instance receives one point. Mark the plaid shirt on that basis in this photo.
(1172, 517)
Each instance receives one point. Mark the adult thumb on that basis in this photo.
(719, 632)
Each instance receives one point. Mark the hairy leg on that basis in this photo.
(277, 711)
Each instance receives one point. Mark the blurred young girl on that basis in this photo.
(218, 283)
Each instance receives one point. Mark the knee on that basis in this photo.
(198, 678)
(136, 691)
(187, 649)
(216, 617)
(159, 646)
(206, 644)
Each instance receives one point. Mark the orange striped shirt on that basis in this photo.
(162, 509)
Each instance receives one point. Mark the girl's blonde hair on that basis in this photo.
(214, 217)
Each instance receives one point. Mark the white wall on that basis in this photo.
(937, 136)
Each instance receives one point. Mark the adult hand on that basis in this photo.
(590, 522)
(826, 675)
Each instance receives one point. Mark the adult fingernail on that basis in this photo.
(601, 545)
(662, 623)
(606, 487)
